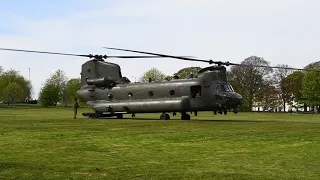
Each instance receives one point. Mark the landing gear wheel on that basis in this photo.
(225, 111)
(119, 116)
(164, 117)
(96, 115)
(185, 117)
(196, 113)
(236, 110)
(133, 115)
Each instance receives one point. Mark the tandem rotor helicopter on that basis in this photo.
(111, 95)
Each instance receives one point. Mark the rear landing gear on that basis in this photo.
(119, 116)
(164, 116)
(185, 116)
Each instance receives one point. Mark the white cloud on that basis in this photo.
(281, 31)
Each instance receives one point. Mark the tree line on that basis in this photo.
(260, 86)
(58, 89)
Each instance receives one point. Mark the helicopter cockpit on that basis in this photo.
(224, 88)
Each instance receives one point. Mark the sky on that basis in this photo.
(282, 32)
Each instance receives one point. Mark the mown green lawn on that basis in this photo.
(40, 143)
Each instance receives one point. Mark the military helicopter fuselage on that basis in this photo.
(107, 92)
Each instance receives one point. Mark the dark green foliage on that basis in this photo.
(168, 78)
(54, 90)
(49, 95)
(12, 92)
(187, 72)
(314, 65)
(294, 83)
(14, 77)
(268, 96)
(72, 86)
(311, 88)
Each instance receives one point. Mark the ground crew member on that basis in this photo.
(75, 107)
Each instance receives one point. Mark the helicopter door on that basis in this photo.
(219, 90)
(195, 91)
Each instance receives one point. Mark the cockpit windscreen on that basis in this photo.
(225, 88)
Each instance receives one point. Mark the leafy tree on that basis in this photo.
(49, 95)
(249, 80)
(294, 82)
(310, 80)
(283, 85)
(55, 87)
(187, 72)
(12, 92)
(314, 65)
(13, 76)
(59, 79)
(169, 78)
(153, 73)
(311, 88)
(72, 86)
(269, 96)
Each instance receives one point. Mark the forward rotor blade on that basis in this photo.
(162, 55)
(129, 57)
(83, 55)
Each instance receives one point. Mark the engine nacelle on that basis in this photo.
(102, 82)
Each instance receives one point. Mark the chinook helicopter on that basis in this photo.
(111, 95)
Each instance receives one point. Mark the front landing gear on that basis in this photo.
(185, 116)
(164, 116)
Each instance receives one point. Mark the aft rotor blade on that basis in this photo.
(210, 61)
(44, 52)
(162, 55)
(274, 67)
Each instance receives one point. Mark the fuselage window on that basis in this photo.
(172, 92)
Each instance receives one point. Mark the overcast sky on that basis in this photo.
(283, 32)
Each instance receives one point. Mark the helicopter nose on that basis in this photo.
(234, 99)
(238, 99)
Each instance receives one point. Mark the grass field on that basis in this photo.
(40, 143)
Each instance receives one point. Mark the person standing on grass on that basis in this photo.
(75, 108)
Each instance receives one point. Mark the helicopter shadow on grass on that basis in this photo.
(198, 120)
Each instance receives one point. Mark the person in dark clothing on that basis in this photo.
(75, 108)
